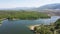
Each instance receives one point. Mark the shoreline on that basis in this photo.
(31, 27)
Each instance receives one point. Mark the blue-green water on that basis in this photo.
(20, 26)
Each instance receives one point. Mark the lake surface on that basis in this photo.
(20, 26)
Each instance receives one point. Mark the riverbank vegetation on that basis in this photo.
(12, 14)
(1, 21)
(53, 28)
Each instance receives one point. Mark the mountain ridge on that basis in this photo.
(50, 6)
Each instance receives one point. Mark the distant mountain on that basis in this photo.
(50, 6)
(23, 8)
(19, 8)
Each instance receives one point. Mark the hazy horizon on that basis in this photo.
(25, 3)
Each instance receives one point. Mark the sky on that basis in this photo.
(25, 3)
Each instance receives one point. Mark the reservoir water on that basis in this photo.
(20, 26)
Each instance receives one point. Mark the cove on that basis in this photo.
(20, 26)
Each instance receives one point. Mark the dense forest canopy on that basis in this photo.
(22, 14)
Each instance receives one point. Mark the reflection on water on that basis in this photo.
(19, 26)
(48, 21)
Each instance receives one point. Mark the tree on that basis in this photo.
(57, 23)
